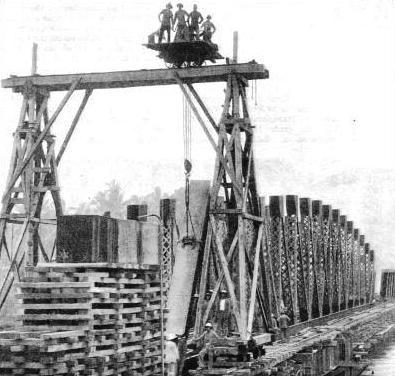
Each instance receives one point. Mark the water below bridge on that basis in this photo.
(383, 362)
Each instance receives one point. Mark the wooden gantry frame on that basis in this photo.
(34, 162)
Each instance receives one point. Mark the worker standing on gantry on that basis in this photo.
(208, 29)
(180, 17)
(195, 18)
(167, 22)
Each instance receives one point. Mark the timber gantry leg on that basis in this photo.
(235, 239)
(268, 260)
(32, 173)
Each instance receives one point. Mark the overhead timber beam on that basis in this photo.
(143, 77)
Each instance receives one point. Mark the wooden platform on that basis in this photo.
(143, 77)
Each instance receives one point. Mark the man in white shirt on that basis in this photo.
(172, 356)
(208, 337)
(223, 313)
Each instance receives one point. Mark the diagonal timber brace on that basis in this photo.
(32, 173)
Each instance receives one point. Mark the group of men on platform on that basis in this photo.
(188, 24)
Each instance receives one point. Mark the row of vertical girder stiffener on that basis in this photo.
(316, 263)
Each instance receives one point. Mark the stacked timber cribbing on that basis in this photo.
(87, 319)
(43, 352)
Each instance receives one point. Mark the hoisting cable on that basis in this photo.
(254, 92)
(187, 133)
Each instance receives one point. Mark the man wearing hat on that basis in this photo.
(208, 336)
(166, 22)
(172, 355)
(208, 29)
(181, 17)
(274, 327)
(283, 322)
(223, 313)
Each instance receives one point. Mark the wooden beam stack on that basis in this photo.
(112, 310)
(43, 352)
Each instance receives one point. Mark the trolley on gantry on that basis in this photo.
(186, 53)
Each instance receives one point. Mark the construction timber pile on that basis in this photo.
(80, 317)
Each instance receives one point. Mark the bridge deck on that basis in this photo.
(143, 77)
(310, 336)
(281, 350)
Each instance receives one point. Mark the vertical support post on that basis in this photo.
(167, 213)
(34, 59)
(383, 284)
(242, 279)
(373, 276)
(138, 213)
(357, 271)
(162, 328)
(362, 260)
(343, 264)
(306, 251)
(318, 248)
(327, 245)
(291, 247)
(367, 272)
(336, 259)
(235, 46)
(350, 264)
(276, 207)
(266, 266)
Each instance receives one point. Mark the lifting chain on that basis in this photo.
(187, 133)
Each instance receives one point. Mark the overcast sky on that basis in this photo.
(324, 120)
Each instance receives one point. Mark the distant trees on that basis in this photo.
(112, 199)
